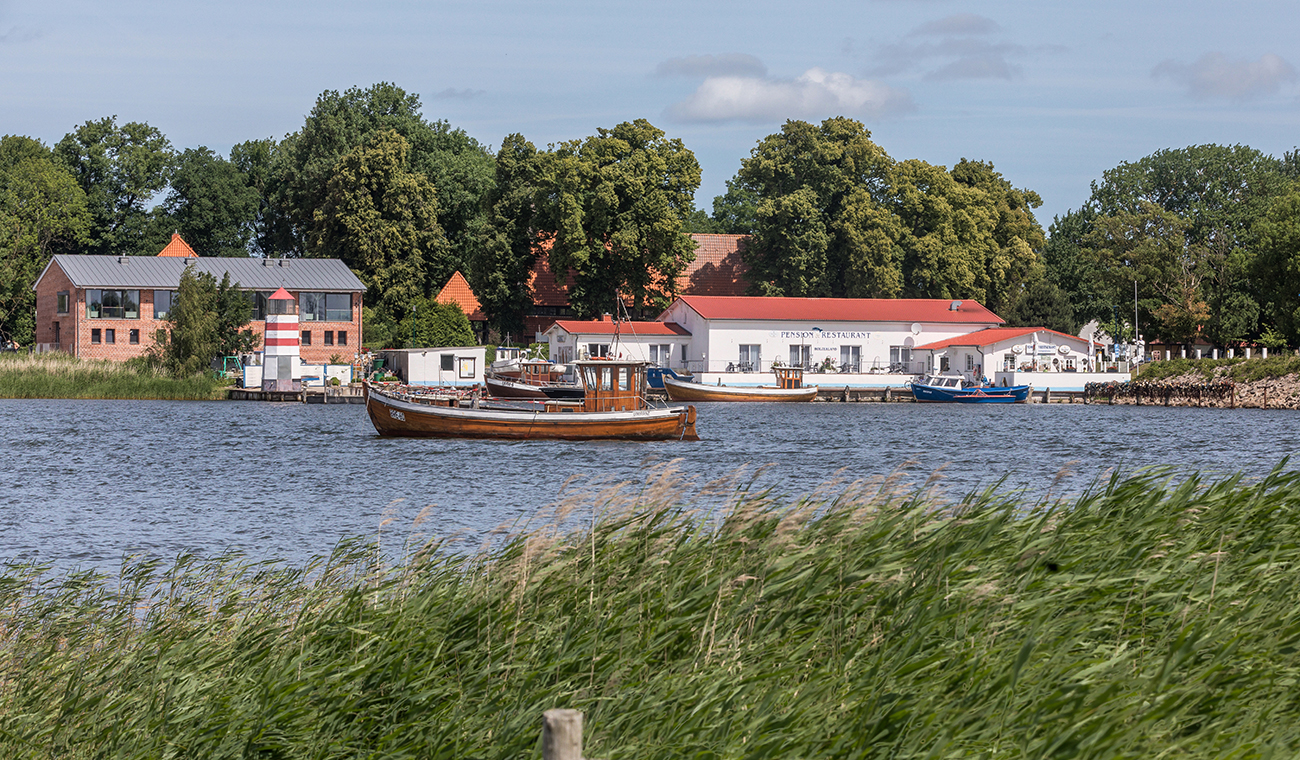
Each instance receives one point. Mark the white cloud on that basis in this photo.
(817, 93)
(1214, 75)
(726, 64)
(961, 23)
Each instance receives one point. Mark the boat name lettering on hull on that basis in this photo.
(395, 414)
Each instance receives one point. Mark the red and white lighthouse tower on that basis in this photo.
(280, 357)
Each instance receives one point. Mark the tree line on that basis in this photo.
(1207, 233)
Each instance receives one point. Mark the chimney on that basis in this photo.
(954, 306)
(606, 317)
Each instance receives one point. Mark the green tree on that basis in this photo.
(194, 320)
(234, 311)
(1278, 236)
(272, 231)
(837, 217)
(42, 212)
(1042, 304)
(1218, 193)
(120, 169)
(440, 324)
(1069, 266)
(381, 219)
(459, 168)
(507, 250)
(736, 211)
(212, 204)
(615, 205)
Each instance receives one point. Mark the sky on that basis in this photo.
(1051, 93)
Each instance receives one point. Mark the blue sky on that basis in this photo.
(1051, 93)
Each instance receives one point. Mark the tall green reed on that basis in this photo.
(1147, 617)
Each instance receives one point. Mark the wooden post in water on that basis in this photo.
(562, 735)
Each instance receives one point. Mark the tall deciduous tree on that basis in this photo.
(42, 212)
(457, 166)
(120, 169)
(381, 219)
(499, 272)
(836, 216)
(440, 324)
(615, 205)
(211, 204)
(1278, 235)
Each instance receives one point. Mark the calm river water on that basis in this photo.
(86, 483)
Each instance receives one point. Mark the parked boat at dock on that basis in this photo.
(530, 378)
(954, 389)
(613, 408)
(789, 388)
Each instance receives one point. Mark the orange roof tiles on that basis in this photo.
(718, 269)
(932, 310)
(178, 247)
(458, 291)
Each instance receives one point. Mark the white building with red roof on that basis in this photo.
(846, 336)
(663, 344)
(1045, 359)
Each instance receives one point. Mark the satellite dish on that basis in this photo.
(1063, 349)
(916, 328)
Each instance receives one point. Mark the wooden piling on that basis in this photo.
(562, 735)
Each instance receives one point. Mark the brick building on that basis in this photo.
(112, 307)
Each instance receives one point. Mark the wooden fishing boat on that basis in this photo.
(789, 387)
(614, 408)
(953, 389)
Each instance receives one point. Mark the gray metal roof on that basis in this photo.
(164, 272)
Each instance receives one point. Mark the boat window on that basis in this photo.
(624, 379)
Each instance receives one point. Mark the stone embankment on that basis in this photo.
(1195, 390)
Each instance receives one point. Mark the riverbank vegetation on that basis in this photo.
(1237, 369)
(1145, 618)
(57, 375)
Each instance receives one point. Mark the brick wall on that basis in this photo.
(75, 329)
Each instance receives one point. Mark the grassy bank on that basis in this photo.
(57, 375)
(1146, 619)
(1238, 369)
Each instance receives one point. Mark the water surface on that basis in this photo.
(88, 482)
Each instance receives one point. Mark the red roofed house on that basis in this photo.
(663, 344)
(458, 291)
(1019, 356)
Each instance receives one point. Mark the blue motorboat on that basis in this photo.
(655, 377)
(954, 389)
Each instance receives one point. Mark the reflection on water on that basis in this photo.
(87, 482)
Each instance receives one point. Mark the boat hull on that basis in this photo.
(396, 417)
(1016, 394)
(683, 391)
(511, 388)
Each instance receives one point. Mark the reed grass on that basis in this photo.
(57, 375)
(1146, 618)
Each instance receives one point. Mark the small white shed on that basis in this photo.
(443, 367)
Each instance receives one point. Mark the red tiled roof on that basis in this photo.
(574, 326)
(458, 291)
(547, 291)
(932, 310)
(178, 247)
(718, 269)
(991, 335)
